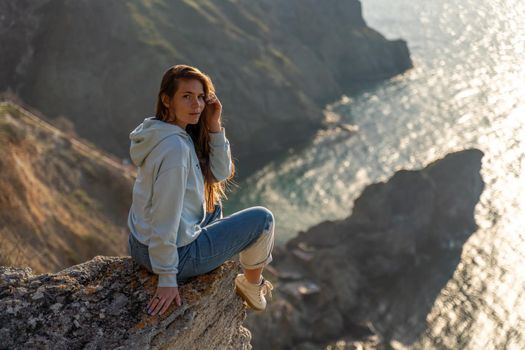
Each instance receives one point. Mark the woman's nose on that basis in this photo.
(195, 103)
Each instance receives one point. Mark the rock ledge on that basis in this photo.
(100, 304)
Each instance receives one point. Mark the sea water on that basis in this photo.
(466, 90)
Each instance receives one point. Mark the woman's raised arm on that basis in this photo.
(220, 155)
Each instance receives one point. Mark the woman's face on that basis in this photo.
(187, 104)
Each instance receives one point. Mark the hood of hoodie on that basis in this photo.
(149, 134)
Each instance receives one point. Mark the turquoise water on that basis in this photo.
(467, 89)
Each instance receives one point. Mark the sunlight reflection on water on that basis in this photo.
(467, 90)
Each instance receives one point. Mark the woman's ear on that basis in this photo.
(165, 100)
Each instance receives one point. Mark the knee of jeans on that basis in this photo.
(269, 219)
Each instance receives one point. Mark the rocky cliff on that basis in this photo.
(275, 63)
(62, 200)
(101, 303)
(374, 275)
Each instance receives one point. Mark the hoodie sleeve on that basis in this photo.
(166, 210)
(220, 155)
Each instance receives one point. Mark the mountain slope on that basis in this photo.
(62, 200)
(275, 63)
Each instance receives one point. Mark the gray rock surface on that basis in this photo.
(101, 303)
(374, 275)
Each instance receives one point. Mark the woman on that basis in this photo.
(177, 229)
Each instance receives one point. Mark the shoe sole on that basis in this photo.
(245, 298)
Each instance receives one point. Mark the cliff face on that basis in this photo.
(275, 63)
(375, 275)
(62, 201)
(101, 303)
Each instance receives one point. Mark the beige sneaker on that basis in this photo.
(253, 294)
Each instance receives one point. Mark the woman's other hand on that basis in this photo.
(162, 300)
(214, 107)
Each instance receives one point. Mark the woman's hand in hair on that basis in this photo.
(162, 300)
(214, 111)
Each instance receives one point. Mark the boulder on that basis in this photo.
(101, 304)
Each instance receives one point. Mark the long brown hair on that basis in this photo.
(214, 191)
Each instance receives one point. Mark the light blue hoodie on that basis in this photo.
(168, 196)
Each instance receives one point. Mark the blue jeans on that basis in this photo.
(249, 232)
